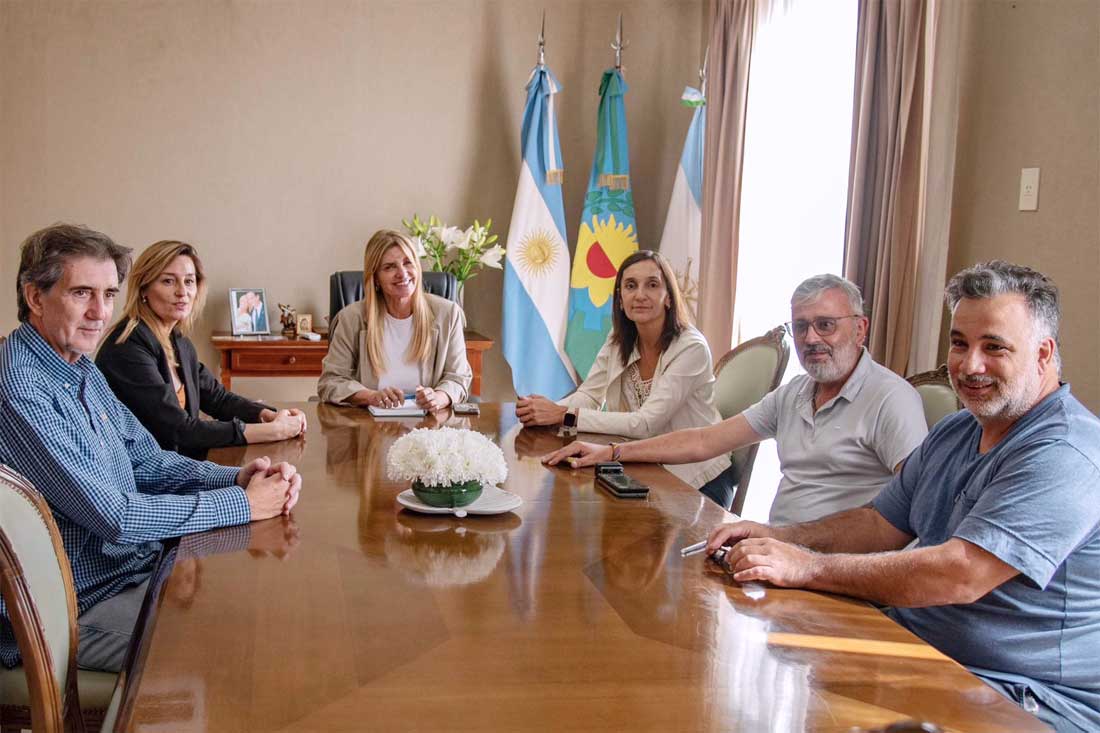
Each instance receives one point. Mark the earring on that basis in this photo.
(144, 299)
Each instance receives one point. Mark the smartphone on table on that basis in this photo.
(611, 478)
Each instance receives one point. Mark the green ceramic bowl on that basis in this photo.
(451, 495)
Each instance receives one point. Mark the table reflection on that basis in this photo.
(442, 551)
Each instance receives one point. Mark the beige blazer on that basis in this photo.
(343, 372)
(681, 396)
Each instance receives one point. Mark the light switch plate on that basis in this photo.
(1029, 189)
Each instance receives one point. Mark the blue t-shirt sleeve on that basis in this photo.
(895, 501)
(1040, 505)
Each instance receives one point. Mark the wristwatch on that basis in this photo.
(569, 423)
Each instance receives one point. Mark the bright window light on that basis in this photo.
(794, 198)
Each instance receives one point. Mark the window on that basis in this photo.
(794, 196)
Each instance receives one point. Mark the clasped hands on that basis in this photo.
(534, 409)
(289, 423)
(271, 490)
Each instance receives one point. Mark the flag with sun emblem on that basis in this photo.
(536, 266)
(606, 236)
(684, 221)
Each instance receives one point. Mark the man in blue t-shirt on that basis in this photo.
(1004, 500)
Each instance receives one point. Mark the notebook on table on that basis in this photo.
(408, 408)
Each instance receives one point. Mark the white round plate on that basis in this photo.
(491, 501)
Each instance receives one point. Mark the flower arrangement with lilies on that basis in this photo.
(462, 252)
(446, 456)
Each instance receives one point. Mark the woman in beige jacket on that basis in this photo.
(398, 340)
(653, 375)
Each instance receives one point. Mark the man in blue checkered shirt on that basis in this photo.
(113, 492)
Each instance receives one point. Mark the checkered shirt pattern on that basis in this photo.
(113, 491)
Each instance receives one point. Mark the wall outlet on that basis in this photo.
(1029, 189)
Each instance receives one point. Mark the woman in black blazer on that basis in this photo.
(154, 370)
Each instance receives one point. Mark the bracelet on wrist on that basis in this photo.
(616, 451)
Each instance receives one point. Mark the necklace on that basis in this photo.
(640, 387)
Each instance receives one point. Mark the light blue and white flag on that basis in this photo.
(681, 238)
(536, 266)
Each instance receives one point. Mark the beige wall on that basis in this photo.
(1031, 97)
(277, 136)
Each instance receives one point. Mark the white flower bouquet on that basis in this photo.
(462, 252)
(448, 467)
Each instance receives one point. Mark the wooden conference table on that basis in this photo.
(575, 612)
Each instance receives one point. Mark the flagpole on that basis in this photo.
(542, 41)
(703, 72)
(618, 45)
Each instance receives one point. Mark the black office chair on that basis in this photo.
(346, 286)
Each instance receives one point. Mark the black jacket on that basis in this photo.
(137, 371)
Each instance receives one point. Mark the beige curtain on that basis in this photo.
(733, 25)
(900, 183)
(880, 248)
(947, 27)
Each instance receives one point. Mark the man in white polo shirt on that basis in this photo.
(842, 429)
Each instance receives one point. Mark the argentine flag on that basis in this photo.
(536, 266)
(681, 238)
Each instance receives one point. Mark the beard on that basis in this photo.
(843, 358)
(1003, 400)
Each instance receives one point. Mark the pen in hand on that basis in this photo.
(693, 549)
(701, 547)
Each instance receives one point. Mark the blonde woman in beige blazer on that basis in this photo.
(653, 375)
(398, 340)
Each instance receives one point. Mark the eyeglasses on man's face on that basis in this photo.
(824, 325)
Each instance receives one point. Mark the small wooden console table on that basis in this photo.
(275, 356)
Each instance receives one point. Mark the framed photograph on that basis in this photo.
(248, 311)
(305, 323)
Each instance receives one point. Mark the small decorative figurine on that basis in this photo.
(289, 319)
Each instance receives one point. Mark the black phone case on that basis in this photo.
(622, 486)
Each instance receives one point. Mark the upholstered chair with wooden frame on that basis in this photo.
(742, 377)
(37, 586)
(936, 394)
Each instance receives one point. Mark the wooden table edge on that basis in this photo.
(130, 676)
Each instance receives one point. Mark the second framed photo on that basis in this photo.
(248, 311)
(305, 323)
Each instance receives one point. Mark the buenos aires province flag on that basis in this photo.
(606, 235)
(681, 238)
(536, 266)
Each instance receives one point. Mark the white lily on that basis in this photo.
(467, 238)
(454, 238)
(492, 256)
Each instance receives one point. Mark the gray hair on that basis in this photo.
(997, 277)
(812, 287)
(43, 256)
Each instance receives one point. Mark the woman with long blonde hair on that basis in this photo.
(398, 342)
(154, 370)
